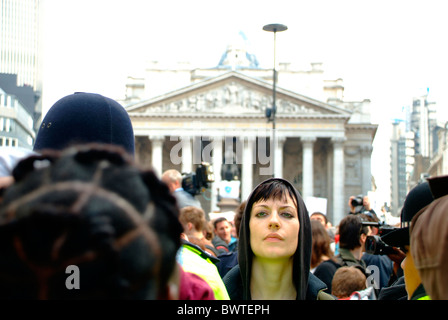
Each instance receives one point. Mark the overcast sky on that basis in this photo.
(385, 51)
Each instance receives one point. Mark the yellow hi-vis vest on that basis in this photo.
(192, 261)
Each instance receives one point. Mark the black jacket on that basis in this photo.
(234, 284)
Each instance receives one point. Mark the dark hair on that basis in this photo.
(92, 207)
(238, 216)
(321, 243)
(317, 213)
(218, 220)
(350, 230)
(273, 189)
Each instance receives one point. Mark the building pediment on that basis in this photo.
(233, 94)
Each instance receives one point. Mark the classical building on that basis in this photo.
(185, 116)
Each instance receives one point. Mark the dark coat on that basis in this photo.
(234, 284)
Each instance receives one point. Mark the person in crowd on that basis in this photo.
(223, 240)
(90, 210)
(321, 250)
(208, 231)
(194, 222)
(429, 241)
(383, 262)
(319, 216)
(228, 260)
(352, 237)
(410, 285)
(195, 260)
(81, 118)
(346, 281)
(361, 204)
(274, 248)
(173, 180)
(188, 286)
(238, 217)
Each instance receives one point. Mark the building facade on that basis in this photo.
(184, 116)
(418, 149)
(16, 123)
(21, 46)
(402, 165)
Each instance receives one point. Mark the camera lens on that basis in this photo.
(370, 245)
(357, 201)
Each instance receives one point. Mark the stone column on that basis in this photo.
(278, 170)
(156, 154)
(307, 170)
(338, 180)
(216, 163)
(187, 161)
(248, 162)
(366, 153)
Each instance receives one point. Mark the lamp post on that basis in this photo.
(270, 112)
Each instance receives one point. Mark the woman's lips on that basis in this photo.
(273, 237)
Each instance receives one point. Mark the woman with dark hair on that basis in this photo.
(321, 250)
(274, 249)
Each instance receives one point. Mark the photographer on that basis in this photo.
(173, 179)
(382, 261)
(353, 235)
(361, 204)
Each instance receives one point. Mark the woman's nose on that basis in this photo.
(274, 223)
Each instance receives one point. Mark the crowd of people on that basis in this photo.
(79, 202)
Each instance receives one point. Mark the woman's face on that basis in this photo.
(274, 228)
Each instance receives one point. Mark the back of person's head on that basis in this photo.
(193, 215)
(85, 118)
(368, 217)
(350, 230)
(238, 216)
(347, 280)
(418, 197)
(208, 230)
(171, 175)
(429, 247)
(93, 208)
(321, 243)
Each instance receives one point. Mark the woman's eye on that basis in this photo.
(287, 215)
(261, 214)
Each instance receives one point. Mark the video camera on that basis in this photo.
(196, 182)
(357, 201)
(374, 244)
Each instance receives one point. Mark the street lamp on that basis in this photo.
(270, 112)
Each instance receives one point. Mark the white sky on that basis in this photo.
(386, 51)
